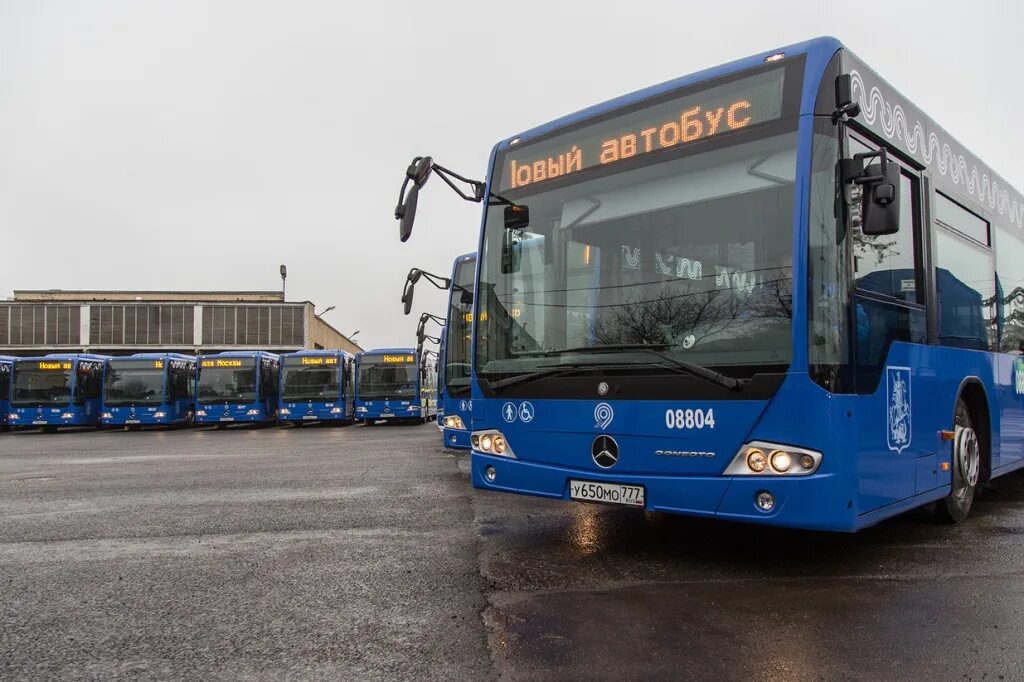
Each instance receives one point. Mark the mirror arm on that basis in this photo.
(447, 175)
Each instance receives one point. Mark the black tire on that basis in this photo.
(966, 467)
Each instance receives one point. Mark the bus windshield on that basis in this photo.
(387, 380)
(139, 382)
(308, 382)
(234, 383)
(686, 249)
(458, 334)
(41, 383)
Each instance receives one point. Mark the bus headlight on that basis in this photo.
(159, 415)
(454, 422)
(284, 410)
(360, 409)
(758, 458)
(491, 442)
(105, 415)
(252, 413)
(68, 415)
(335, 410)
(12, 415)
(200, 413)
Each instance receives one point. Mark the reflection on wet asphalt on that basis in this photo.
(599, 592)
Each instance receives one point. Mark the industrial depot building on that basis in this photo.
(192, 322)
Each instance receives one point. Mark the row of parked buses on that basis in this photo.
(151, 389)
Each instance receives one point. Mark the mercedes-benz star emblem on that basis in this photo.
(605, 452)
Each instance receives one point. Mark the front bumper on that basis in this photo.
(812, 502)
(456, 439)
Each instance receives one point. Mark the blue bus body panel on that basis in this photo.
(68, 414)
(461, 406)
(882, 453)
(6, 364)
(168, 413)
(340, 409)
(261, 411)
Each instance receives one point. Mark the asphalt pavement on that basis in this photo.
(363, 553)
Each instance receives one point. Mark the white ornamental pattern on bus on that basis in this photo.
(897, 386)
(952, 164)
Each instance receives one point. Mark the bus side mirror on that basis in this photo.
(410, 288)
(511, 253)
(881, 211)
(417, 173)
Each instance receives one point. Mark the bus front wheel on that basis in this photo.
(966, 467)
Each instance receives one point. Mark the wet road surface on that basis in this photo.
(327, 553)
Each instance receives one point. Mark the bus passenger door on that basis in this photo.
(892, 359)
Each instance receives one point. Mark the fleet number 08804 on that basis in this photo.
(690, 419)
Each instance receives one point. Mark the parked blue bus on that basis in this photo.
(392, 384)
(441, 393)
(453, 378)
(317, 386)
(237, 387)
(774, 291)
(149, 389)
(6, 363)
(61, 389)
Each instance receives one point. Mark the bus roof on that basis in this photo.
(64, 356)
(155, 356)
(318, 352)
(241, 354)
(377, 351)
(884, 111)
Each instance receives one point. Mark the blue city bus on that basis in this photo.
(774, 292)
(454, 376)
(6, 363)
(60, 389)
(317, 386)
(392, 384)
(149, 389)
(237, 387)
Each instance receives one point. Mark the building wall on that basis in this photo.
(130, 326)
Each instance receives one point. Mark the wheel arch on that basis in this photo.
(973, 392)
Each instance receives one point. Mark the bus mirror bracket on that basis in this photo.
(846, 107)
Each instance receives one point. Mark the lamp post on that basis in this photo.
(284, 276)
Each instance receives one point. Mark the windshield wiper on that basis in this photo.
(544, 372)
(654, 349)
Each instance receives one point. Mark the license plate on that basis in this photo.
(227, 419)
(309, 416)
(132, 421)
(611, 493)
(39, 422)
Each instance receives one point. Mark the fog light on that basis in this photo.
(765, 501)
(486, 442)
(781, 461)
(490, 474)
(806, 461)
(453, 438)
(756, 460)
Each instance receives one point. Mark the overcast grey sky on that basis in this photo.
(180, 144)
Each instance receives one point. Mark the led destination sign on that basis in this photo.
(316, 361)
(225, 362)
(51, 366)
(678, 121)
(390, 359)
